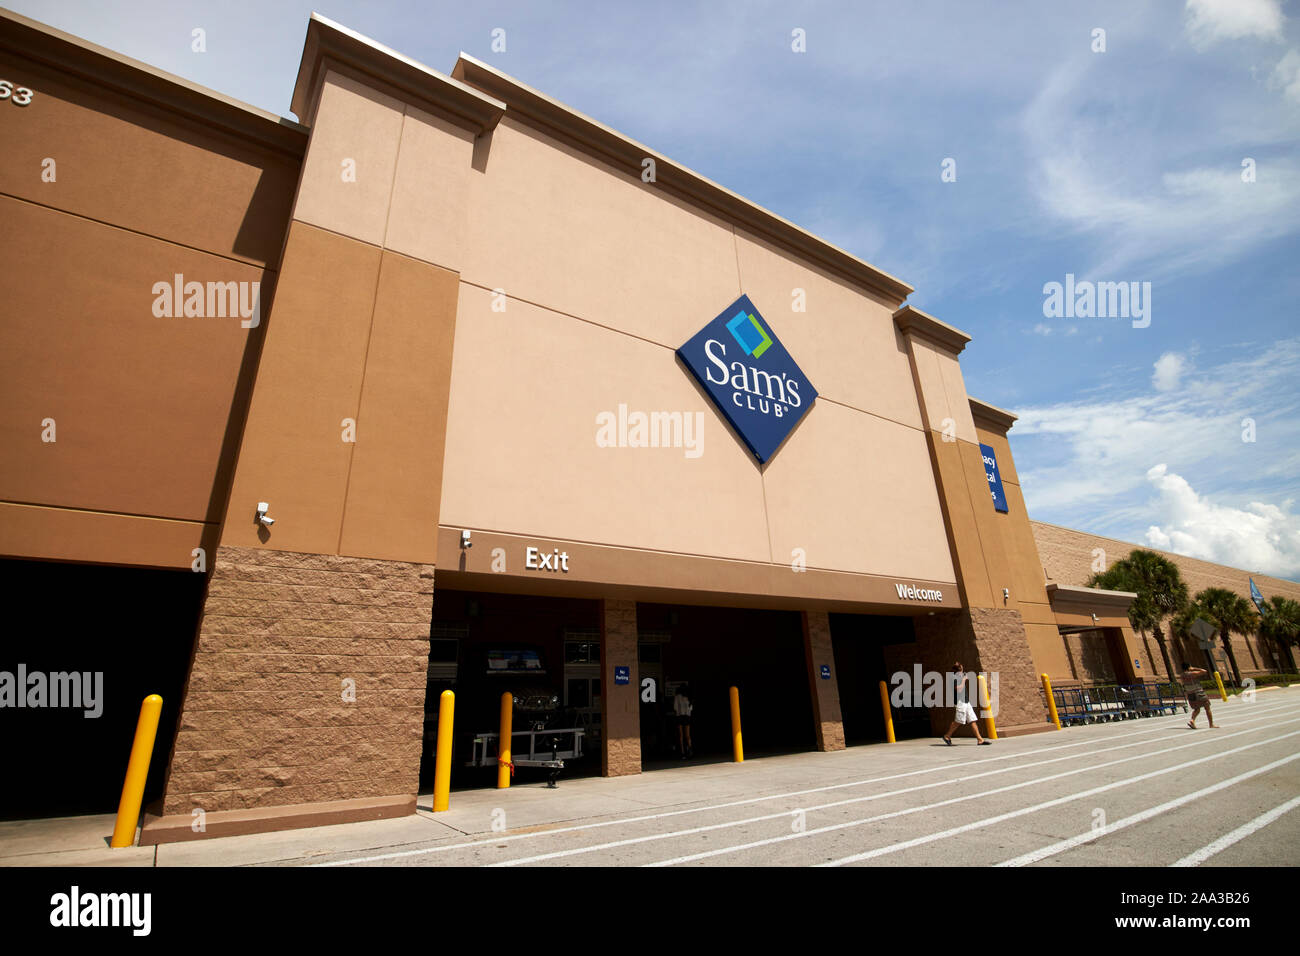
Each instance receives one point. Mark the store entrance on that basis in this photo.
(869, 649)
(707, 650)
(96, 640)
(543, 651)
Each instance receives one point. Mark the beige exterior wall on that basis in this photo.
(363, 332)
(604, 277)
(147, 409)
(1025, 576)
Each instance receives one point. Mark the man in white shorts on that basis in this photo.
(965, 712)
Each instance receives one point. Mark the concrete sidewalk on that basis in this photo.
(83, 841)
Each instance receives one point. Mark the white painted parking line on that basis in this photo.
(651, 838)
(894, 848)
(938, 768)
(1237, 835)
(1063, 845)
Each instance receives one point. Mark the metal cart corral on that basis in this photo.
(542, 748)
(1090, 704)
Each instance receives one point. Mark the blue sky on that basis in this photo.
(1121, 166)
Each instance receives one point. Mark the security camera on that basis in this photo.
(465, 541)
(262, 517)
(267, 520)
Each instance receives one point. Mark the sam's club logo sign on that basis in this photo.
(750, 377)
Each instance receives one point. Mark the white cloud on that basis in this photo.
(1259, 537)
(1169, 370)
(1209, 21)
(1286, 76)
(1157, 218)
(1086, 464)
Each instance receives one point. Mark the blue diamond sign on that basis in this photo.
(750, 376)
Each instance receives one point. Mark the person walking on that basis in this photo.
(682, 708)
(965, 712)
(1196, 696)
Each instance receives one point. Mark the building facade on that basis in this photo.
(308, 420)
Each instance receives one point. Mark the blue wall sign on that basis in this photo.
(622, 675)
(751, 378)
(826, 672)
(995, 478)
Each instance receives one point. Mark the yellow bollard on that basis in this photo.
(503, 746)
(1219, 680)
(137, 772)
(442, 762)
(990, 728)
(889, 717)
(737, 747)
(1051, 701)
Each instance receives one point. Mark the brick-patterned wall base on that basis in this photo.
(620, 703)
(827, 720)
(264, 722)
(1004, 650)
(984, 639)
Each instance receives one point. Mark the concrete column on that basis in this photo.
(825, 691)
(620, 704)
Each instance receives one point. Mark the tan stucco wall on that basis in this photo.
(363, 331)
(604, 277)
(1015, 537)
(147, 409)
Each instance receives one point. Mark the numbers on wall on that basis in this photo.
(18, 95)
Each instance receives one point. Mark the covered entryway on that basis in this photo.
(710, 649)
(94, 642)
(544, 651)
(868, 649)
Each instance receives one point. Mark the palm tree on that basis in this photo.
(1180, 625)
(1159, 587)
(1229, 612)
(1281, 625)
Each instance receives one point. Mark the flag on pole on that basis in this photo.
(1257, 597)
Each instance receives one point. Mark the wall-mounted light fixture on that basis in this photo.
(262, 516)
(1006, 595)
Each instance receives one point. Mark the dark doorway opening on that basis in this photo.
(868, 649)
(710, 649)
(544, 651)
(135, 628)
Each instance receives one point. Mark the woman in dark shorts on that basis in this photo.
(1196, 696)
